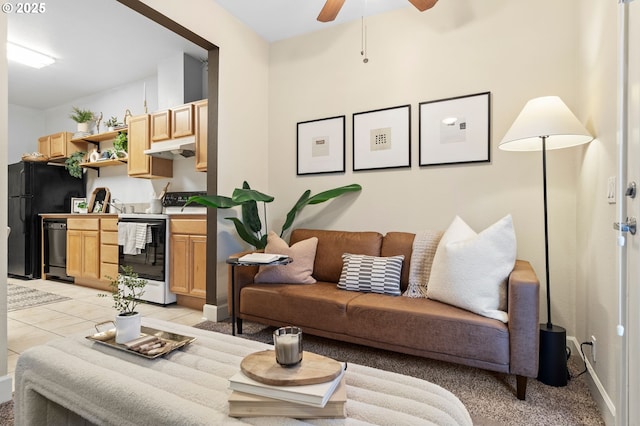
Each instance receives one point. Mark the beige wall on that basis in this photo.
(243, 97)
(596, 293)
(517, 50)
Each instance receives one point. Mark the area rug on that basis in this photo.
(20, 297)
(489, 396)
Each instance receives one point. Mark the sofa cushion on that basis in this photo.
(471, 270)
(371, 274)
(444, 331)
(331, 246)
(299, 271)
(320, 305)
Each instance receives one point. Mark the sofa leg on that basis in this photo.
(521, 387)
(239, 325)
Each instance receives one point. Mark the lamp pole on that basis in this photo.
(552, 365)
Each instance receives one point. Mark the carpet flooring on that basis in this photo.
(489, 397)
(19, 297)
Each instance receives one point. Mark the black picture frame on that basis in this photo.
(455, 130)
(320, 146)
(382, 138)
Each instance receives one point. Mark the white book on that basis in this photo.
(315, 395)
(260, 257)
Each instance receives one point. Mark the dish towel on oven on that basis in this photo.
(133, 236)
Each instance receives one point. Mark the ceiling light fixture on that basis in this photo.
(27, 56)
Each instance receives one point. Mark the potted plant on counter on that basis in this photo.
(126, 290)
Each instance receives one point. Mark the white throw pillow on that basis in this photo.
(471, 270)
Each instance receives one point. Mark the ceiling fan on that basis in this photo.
(332, 7)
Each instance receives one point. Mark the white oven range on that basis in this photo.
(148, 253)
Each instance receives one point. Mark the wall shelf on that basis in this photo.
(100, 137)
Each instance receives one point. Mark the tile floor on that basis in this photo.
(34, 326)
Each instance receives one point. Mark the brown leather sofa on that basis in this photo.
(416, 326)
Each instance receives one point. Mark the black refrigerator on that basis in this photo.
(35, 188)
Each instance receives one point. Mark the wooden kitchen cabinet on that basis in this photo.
(182, 121)
(59, 145)
(200, 113)
(188, 244)
(160, 126)
(142, 165)
(109, 249)
(83, 248)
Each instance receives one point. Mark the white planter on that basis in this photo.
(83, 127)
(128, 327)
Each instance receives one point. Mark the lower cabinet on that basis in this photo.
(109, 249)
(92, 250)
(188, 244)
(83, 248)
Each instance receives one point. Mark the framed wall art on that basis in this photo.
(78, 205)
(320, 146)
(382, 138)
(455, 130)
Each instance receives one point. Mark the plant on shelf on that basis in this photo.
(111, 123)
(120, 144)
(126, 291)
(72, 164)
(250, 227)
(81, 115)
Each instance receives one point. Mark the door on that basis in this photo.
(633, 208)
(629, 116)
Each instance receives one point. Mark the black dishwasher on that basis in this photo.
(55, 249)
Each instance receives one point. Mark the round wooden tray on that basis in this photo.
(314, 368)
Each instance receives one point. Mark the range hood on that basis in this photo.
(184, 147)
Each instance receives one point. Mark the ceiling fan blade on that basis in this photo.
(330, 10)
(423, 5)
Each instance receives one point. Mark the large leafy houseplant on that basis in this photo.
(249, 227)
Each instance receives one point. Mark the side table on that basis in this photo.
(234, 262)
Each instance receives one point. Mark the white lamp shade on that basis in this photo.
(546, 116)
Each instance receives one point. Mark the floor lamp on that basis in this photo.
(547, 123)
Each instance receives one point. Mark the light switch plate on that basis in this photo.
(611, 190)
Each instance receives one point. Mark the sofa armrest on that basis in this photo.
(524, 319)
(243, 276)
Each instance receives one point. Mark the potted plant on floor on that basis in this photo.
(126, 291)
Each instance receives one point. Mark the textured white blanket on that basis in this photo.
(422, 254)
(190, 387)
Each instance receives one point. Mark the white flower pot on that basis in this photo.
(128, 327)
(83, 127)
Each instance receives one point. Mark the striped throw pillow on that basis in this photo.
(371, 274)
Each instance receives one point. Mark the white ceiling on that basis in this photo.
(102, 44)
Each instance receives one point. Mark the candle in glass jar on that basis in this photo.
(288, 346)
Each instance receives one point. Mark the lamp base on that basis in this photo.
(552, 368)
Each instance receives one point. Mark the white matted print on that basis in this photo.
(455, 130)
(382, 138)
(320, 146)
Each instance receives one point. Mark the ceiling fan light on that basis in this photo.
(27, 56)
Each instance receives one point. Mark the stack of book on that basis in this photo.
(251, 398)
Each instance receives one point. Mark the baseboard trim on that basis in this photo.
(6, 389)
(215, 312)
(600, 395)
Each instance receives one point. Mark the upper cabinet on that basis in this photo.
(200, 112)
(182, 121)
(59, 145)
(141, 165)
(173, 123)
(160, 126)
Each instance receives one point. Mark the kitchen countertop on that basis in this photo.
(68, 215)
